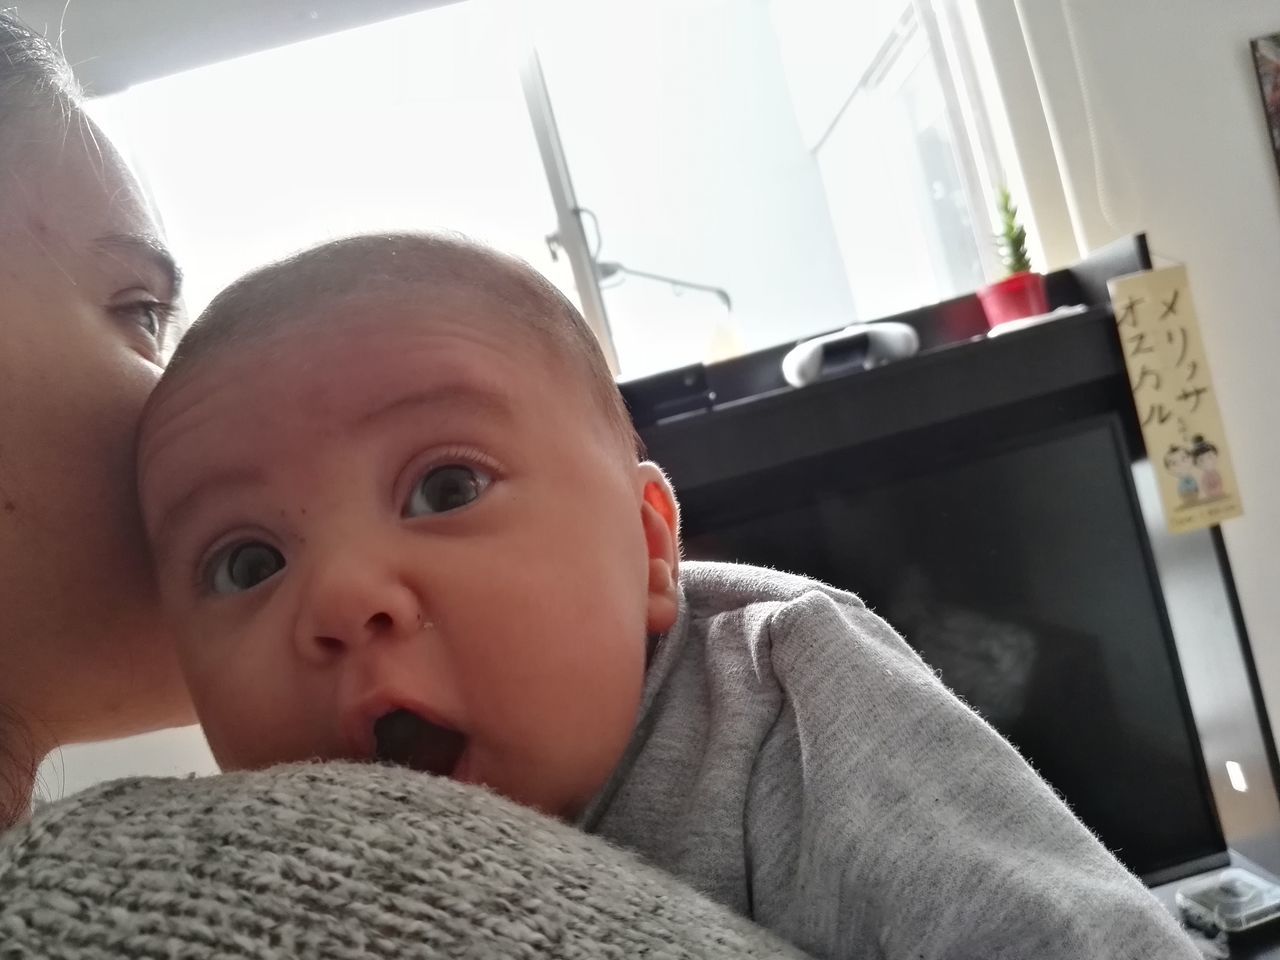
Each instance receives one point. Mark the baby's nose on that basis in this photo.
(350, 607)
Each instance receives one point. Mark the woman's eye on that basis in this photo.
(245, 565)
(151, 316)
(443, 489)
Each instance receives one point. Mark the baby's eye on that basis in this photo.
(446, 488)
(243, 566)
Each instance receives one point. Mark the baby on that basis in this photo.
(398, 514)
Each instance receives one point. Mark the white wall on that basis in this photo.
(166, 753)
(1179, 148)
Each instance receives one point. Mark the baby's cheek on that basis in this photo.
(205, 649)
(228, 691)
(245, 730)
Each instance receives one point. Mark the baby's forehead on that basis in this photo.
(378, 370)
(431, 305)
(428, 301)
(365, 344)
(384, 296)
(438, 315)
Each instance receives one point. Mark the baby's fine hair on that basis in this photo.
(281, 296)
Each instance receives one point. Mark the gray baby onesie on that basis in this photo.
(797, 761)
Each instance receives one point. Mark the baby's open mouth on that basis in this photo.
(408, 740)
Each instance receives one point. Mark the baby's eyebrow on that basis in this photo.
(211, 485)
(444, 399)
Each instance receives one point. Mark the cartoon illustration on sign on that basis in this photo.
(1178, 461)
(1204, 455)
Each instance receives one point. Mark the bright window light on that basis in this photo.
(413, 123)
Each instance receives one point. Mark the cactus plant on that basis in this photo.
(1012, 238)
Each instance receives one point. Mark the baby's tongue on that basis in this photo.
(408, 740)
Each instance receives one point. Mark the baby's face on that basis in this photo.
(404, 508)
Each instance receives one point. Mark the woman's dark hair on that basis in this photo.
(18, 767)
(33, 72)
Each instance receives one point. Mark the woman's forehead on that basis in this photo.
(64, 180)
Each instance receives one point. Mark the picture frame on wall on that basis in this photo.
(1266, 60)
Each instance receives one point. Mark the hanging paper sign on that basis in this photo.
(1173, 390)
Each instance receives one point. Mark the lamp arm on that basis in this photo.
(719, 292)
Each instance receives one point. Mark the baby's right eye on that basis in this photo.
(242, 566)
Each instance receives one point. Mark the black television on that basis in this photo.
(1018, 567)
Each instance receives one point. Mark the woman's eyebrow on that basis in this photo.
(149, 249)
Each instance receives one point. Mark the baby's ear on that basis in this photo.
(660, 515)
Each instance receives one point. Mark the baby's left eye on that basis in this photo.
(446, 488)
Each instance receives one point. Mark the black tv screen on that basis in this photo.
(1022, 573)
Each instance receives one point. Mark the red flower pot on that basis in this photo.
(1014, 298)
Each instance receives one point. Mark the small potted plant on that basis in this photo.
(1021, 293)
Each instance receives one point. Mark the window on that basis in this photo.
(887, 93)
(746, 172)
(413, 123)
(682, 141)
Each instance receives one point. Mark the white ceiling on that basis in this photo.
(115, 43)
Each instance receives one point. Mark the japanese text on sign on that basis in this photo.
(1172, 388)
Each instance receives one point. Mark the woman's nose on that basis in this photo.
(351, 605)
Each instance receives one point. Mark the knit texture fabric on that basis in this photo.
(342, 862)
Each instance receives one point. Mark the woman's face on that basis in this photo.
(84, 292)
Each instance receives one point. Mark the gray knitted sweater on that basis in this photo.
(338, 862)
(798, 762)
